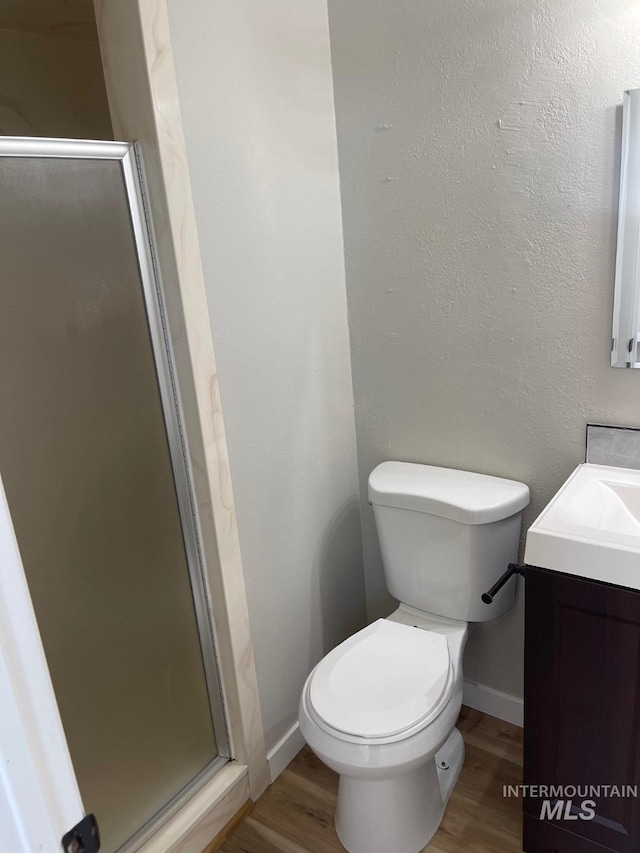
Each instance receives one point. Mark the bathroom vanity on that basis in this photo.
(582, 712)
(582, 667)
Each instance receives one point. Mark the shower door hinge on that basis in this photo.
(84, 837)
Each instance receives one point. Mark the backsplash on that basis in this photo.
(617, 446)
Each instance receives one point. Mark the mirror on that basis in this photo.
(625, 338)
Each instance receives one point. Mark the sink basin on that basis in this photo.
(591, 527)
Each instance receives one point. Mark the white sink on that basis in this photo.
(591, 527)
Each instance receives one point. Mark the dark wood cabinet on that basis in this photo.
(582, 715)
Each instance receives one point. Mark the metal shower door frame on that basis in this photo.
(130, 158)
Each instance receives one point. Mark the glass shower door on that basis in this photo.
(96, 475)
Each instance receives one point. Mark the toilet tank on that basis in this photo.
(446, 536)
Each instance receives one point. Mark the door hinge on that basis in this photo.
(84, 837)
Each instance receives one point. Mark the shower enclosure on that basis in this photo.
(95, 467)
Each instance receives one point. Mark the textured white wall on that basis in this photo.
(257, 107)
(478, 148)
(51, 86)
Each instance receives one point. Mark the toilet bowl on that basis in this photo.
(381, 710)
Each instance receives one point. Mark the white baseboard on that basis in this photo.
(493, 702)
(284, 751)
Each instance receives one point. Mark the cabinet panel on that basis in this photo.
(544, 837)
(582, 708)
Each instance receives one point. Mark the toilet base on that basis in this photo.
(400, 814)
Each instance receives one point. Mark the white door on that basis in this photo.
(39, 797)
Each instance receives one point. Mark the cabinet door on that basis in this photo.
(582, 711)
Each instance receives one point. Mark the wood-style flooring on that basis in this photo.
(295, 815)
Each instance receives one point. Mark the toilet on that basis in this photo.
(381, 708)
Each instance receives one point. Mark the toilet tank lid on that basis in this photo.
(446, 492)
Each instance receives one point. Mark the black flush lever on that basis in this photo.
(514, 569)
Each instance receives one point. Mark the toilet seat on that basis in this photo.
(387, 680)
